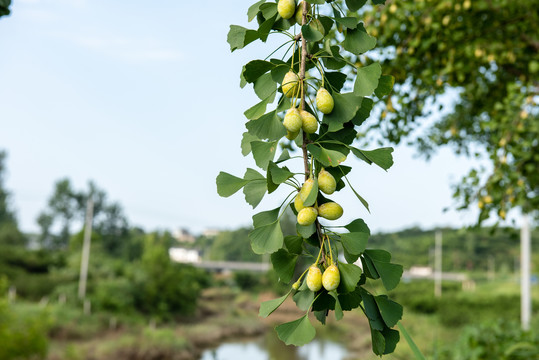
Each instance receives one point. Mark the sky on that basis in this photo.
(144, 99)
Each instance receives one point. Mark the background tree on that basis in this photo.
(482, 53)
(9, 231)
(4, 7)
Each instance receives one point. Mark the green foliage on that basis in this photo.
(23, 335)
(503, 340)
(313, 48)
(4, 7)
(437, 47)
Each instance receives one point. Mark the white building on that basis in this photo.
(181, 255)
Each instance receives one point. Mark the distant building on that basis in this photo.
(183, 235)
(209, 233)
(421, 271)
(186, 256)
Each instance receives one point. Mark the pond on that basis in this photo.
(269, 347)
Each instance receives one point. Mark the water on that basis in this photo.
(270, 347)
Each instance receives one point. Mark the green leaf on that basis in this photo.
(364, 111)
(265, 28)
(367, 79)
(267, 239)
(351, 300)
(385, 85)
(285, 155)
(378, 342)
(228, 184)
(267, 307)
(246, 143)
(255, 69)
(371, 310)
(263, 152)
(279, 175)
(255, 189)
(336, 79)
(294, 244)
(358, 225)
(298, 332)
(267, 126)
(381, 157)
(304, 298)
(417, 353)
(346, 106)
(391, 311)
(379, 255)
(368, 268)
(254, 9)
(268, 10)
(357, 41)
(389, 273)
(284, 264)
(257, 110)
(338, 309)
(321, 316)
(311, 34)
(349, 22)
(305, 231)
(391, 338)
(350, 275)
(265, 87)
(355, 242)
(355, 5)
(318, 2)
(238, 37)
(266, 217)
(325, 156)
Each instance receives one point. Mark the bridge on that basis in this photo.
(228, 266)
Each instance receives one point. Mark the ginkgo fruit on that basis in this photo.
(307, 216)
(306, 189)
(326, 182)
(331, 278)
(299, 12)
(324, 101)
(309, 123)
(286, 8)
(330, 211)
(291, 135)
(298, 203)
(290, 84)
(314, 278)
(292, 120)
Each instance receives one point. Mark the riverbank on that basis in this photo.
(223, 315)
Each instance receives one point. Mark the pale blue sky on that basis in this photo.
(144, 98)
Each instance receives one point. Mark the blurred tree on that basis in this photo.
(68, 206)
(485, 53)
(4, 7)
(233, 246)
(9, 231)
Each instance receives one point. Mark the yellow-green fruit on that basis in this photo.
(331, 278)
(314, 278)
(310, 125)
(324, 101)
(307, 216)
(296, 285)
(299, 12)
(286, 8)
(292, 120)
(330, 211)
(298, 203)
(291, 135)
(317, 25)
(306, 189)
(326, 182)
(290, 84)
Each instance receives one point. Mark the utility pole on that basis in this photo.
(525, 260)
(438, 264)
(86, 247)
